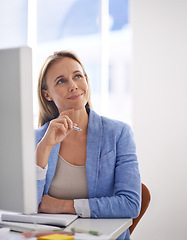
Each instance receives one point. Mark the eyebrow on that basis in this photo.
(62, 76)
(77, 71)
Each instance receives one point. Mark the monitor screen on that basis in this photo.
(17, 157)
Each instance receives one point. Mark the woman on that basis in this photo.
(93, 172)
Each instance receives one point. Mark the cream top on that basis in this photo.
(69, 181)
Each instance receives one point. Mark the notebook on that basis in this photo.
(26, 227)
(61, 220)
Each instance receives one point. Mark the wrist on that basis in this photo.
(68, 206)
(42, 154)
(44, 146)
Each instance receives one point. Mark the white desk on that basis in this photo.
(110, 228)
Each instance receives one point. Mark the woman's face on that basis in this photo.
(66, 85)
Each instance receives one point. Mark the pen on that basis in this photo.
(77, 128)
(77, 230)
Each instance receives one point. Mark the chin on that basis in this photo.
(79, 107)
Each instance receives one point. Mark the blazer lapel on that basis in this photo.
(94, 137)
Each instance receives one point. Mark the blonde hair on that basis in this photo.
(48, 109)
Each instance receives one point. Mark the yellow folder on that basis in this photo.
(56, 237)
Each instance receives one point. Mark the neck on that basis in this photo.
(80, 117)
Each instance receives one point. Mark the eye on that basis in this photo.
(60, 81)
(77, 76)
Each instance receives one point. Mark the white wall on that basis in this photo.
(160, 114)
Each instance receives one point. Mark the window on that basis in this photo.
(13, 24)
(99, 33)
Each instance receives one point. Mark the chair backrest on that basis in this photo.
(146, 197)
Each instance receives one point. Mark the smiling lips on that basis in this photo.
(75, 97)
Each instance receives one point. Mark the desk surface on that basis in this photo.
(110, 228)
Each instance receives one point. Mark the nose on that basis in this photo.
(72, 86)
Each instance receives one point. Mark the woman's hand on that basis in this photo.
(58, 129)
(53, 205)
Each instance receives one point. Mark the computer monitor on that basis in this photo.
(17, 157)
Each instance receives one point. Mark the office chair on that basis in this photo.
(146, 197)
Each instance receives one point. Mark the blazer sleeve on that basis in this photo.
(40, 183)
(126, 199)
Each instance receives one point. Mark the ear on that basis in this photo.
(46, 95)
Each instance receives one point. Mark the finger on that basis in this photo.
(62, 127)
(69, 122)
(58, 125)
(57, 122)
(65, 120)
(65, 123)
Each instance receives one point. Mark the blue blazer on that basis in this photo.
(113, 178)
